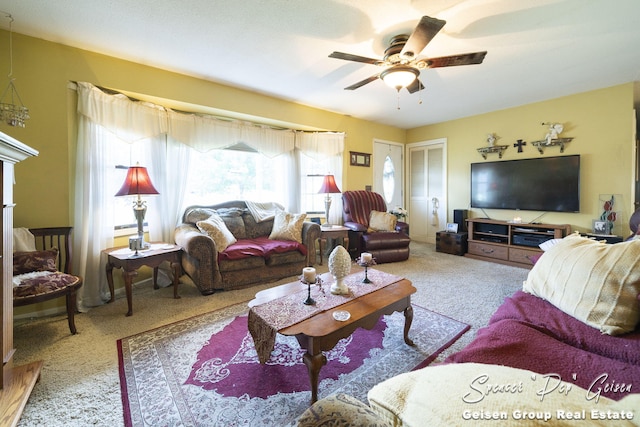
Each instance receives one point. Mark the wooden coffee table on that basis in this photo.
(322, 332)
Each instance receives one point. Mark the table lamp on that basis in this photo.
(136, 183)
(328, 187)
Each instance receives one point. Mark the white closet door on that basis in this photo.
(427, 189)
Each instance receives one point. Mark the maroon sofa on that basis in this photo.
(528, 332)
(385, 246)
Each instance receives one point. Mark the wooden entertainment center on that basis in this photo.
(508, 242)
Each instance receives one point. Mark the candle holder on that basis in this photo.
(366, 265)
(318, 281)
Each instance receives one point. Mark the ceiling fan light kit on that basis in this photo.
(399, 76)
(402, 61)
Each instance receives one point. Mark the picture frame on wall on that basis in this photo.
(452, 227)
(360, 159)
(600, 227)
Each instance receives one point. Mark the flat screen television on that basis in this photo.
(550, 184)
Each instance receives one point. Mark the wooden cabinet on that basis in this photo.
(510, 243)
(451, 243)
(16, 381)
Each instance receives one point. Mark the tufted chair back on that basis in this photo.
(357, 206)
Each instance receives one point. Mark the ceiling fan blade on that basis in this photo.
(356, 58)
(426, 30)
(416, 86)
(454, 60)
(363, 82)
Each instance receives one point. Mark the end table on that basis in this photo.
(130, 262)
(332, 233)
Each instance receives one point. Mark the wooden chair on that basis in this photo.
(57, 284)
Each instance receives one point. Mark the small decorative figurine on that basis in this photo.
(340, 267)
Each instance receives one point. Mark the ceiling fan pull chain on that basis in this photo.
(398, 99)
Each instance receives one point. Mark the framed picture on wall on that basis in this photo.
(360, 159)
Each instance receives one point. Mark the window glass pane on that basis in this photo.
(223, 175)
(126, 155)
(312, 175)
(388, 179)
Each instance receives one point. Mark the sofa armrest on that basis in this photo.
(200, 259)
(310, 234)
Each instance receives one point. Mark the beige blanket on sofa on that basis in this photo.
(491, 395)
(263, 211)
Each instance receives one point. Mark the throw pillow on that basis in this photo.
(594, 282)
(215, 227)
(382, 221)
(30, 261)
(287, 226)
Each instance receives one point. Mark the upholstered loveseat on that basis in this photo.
(234, 244)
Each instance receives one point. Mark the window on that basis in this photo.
(312, 173)
(236, 173)
(125, 155)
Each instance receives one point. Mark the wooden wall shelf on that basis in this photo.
(494, 149)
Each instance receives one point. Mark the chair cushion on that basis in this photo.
(29, 261)
(50, 283)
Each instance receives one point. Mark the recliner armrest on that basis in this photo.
(354, 226)
(402, 227)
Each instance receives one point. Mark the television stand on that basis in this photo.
(510, 243)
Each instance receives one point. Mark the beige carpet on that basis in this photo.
(80, 385)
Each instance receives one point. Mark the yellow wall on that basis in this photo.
(42, 70)
(601, 123)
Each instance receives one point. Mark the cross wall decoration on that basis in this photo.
(519, 145)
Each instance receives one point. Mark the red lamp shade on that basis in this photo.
(137, 182)
(329, 185)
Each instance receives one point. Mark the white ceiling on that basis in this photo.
(537, 49)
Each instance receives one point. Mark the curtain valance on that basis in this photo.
(135, 120)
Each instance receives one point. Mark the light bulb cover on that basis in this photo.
(399, 76)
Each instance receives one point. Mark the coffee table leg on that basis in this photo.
(314, 364)
(408, 319)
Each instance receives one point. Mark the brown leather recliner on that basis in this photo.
(385, 246)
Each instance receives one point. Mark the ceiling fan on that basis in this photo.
(400, 58)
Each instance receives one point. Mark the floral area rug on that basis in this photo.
(204, 371)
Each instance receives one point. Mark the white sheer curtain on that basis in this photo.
(106, 120)
(329, 148)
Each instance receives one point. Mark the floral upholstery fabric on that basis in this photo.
(29, 261)
(36, 286)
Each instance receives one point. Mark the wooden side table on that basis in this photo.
(332, 233)
(123, 257)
